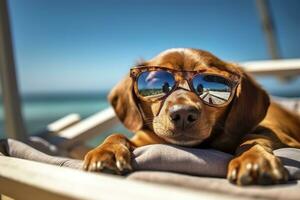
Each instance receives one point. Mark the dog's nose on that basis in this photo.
(183, 115)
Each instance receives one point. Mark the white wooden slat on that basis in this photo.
(63, 123)
(23, 179)
(282, 67)
(89, 127)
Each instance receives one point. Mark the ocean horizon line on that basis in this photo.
(105, 92)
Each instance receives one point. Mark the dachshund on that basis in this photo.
(189, 97)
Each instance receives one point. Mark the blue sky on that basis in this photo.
(79, 45)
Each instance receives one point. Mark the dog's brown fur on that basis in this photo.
(251, 126)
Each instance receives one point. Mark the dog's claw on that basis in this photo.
(85, 167)
(233, 175)
(123, 166)
(94, 167)
(99, 165)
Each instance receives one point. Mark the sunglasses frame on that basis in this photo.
(178, 75)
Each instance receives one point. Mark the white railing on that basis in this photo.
(280, 68)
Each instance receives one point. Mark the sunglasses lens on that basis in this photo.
(212, 89)
(155, 84)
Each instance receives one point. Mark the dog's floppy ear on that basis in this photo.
(123, 101)
(248, 108)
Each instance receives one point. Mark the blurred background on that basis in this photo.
(70, 53)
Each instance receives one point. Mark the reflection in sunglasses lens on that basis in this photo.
(155, 84)
(212, 89)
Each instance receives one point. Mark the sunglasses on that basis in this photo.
(155, 83)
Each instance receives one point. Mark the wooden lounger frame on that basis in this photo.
(22, 179)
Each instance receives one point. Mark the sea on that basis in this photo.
(39, 110)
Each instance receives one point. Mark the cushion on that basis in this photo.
(201, 162)
(159, 157)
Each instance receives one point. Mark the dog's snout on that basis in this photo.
(183, 116)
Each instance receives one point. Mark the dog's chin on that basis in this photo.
(180, 138)
(183, 138)
(183, 142)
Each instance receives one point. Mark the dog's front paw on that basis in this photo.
(256, 168)
(115, 159)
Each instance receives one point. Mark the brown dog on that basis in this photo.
(249, 125)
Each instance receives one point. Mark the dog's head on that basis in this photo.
(182, 118)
